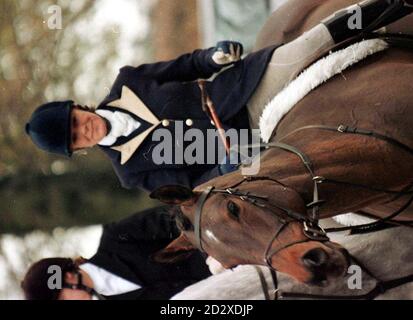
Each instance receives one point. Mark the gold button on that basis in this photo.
(165, 123)
(189, 122)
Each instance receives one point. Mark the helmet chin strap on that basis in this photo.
(81, 286)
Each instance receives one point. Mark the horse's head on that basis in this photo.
(261, 227)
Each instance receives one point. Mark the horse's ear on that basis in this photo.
(178, 250)
(173, 194)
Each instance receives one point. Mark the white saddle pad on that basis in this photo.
(318, 73)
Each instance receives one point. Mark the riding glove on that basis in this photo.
(227, 52)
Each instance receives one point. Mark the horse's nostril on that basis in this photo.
(315, 258)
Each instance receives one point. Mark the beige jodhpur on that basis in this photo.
(285, 65)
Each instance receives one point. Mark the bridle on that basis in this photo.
(311, 228)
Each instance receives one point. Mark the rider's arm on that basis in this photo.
(200, 64)
(188, 67)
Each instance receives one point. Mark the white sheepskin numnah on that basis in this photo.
(352, 219)
(311, 78)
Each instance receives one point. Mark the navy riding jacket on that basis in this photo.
(169, 89)
(126, 250)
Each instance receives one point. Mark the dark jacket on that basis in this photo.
(125, 250)
(169, 90)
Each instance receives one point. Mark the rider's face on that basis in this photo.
(87, 129)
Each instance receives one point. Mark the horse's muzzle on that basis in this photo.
(325, 265)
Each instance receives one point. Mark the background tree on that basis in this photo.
(39, 64)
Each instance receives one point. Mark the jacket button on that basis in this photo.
(189, 122)
(212, 122)
(165, 123)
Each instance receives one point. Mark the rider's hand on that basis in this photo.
(227, 52)
(230, 163)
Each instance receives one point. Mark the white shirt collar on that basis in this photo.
(106, 283)
(122, 124)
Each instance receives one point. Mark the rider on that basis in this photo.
(122, 267)
(165, 95)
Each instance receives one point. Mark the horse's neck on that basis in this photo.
(354, 161)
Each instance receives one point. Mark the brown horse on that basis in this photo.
(236, 228)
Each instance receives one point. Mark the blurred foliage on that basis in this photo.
(240, 20)
(77, 198)
(170, 20)
(37, 64)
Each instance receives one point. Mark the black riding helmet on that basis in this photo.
(49, 127)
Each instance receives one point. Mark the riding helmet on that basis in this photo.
(49, 127)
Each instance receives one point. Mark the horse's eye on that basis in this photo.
(233, 209)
